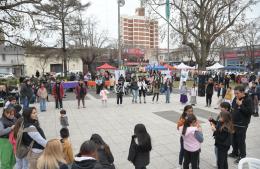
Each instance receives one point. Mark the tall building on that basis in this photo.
(138, 31)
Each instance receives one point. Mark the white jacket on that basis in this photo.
(193, 91)
(142, 84)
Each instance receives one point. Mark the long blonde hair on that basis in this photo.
(52, 155)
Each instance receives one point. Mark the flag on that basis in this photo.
(167, 9)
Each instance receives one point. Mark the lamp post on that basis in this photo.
(120, 3)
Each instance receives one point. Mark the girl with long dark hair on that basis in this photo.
(34, 136)
(187, 110)
(192, 139)
(105, 156)
(223, 130)
(139, 151)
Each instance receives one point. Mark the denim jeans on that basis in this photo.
(134, 94)
(21, 163)
(25, 102)
(42, 104)
(167, 94)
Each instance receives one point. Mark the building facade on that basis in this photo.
(242, 57)
(138, 32)
(12, 60)
(49, 60)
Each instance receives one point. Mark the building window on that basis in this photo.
(3, 57)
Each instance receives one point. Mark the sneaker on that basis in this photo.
(237, 160)
(179, 167)
(232, 155)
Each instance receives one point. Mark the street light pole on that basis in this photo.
(120, 3)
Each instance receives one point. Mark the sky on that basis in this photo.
(105, 11)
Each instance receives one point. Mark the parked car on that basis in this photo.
(6, 75)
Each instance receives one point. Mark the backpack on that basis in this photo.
(21, 149)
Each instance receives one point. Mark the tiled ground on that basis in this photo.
(116, 123)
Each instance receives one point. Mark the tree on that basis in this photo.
(249, 37)
(84, 33)
(15, 16)
(54, 15)
(200, 23)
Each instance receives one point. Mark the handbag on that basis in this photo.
(21, 149)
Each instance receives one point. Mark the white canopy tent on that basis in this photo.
(215, 67)
(183, 66)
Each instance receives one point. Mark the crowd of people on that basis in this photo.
(25, 146)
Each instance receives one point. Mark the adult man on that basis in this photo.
(26, 93)
(58, 93)
(241, 114)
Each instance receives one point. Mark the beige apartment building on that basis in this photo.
(139, 31)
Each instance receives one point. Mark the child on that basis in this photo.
(63, 119)
(183, 93)
(192, 139)
(119, 92)
(11, 102)
(187, 110)
(224, 106)
(104, 94)
(223, 130)
(229, 95)
(67, 148)
(193, 95)
(139, 151)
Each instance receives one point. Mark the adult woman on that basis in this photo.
(142, 89)
(139, 151)
(105, 156)
(168, 89)
(42, 94)
(7, 122)
(52, 156)
(209, 92)
(21, 163)
(156, 90)
(34, 136)
(81, 92)
(134, 88)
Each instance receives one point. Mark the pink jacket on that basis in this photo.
(190, 143)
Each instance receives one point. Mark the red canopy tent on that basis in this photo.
(167, 66)
(106, 67)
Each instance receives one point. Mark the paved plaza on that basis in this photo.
(116, 124)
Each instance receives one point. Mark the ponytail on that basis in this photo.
(189, 119)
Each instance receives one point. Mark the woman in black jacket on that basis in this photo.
(223, 130)
(139, 151)
(209, 92)
(105, 156)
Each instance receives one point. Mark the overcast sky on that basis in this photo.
(106, 13)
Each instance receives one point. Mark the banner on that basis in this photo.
(183, 77)
(167, 9)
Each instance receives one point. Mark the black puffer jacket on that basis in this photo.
(86, 163)
(209, 89)
(241, 115)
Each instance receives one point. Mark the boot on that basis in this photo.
(144, 100)
(256, 114)
(140, 100)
